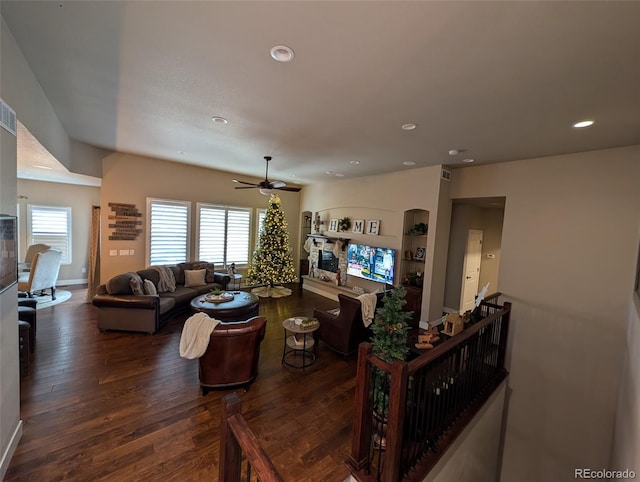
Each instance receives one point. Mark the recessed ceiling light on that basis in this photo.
(409, 163)
(468, 161)
(355, 163)
(329, 172)
(220, 120)
(182, 153)
(339, 174)
(40, 166)
(453, 152)
(583, 124)
(292, 175)
(409, 127)
(282, 53)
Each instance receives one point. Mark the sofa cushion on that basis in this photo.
(211, 271)
(194, 277)
(181, 295)
(149, 287)
(166, 304)
(119, 285)
(151, 275)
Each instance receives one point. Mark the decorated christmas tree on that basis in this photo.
(272, 261)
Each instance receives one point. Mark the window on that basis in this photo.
(168, 228)
(223, 234)
(50, 225)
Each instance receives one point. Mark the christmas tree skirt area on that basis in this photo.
(271, 291)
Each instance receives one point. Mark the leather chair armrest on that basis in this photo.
(30, 302)
(222, 278)
(145, 302)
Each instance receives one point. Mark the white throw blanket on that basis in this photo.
(195, 335)
(368, 302)
(167, 281)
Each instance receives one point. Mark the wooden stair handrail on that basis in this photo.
(237, 438)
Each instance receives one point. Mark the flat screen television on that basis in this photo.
(8, 251)
(371, 262)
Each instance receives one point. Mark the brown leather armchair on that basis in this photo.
(232, 356)
(343, 332)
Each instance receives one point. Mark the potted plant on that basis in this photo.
(389, 343)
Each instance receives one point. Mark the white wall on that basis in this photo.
(569, 244)
(386, 197)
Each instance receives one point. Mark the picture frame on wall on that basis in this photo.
(358, 226)
(333, 225)
(373, 227)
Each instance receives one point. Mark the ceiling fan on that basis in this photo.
(266, 187)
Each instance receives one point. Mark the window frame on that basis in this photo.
(225, 256)
(67, 252)
(168, 202)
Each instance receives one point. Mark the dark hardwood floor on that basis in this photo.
(126, 407)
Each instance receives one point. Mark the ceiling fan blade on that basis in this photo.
(278, 184)
(245, 182)
(246, 187)
(287, 188)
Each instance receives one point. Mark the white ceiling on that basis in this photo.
(499, 80)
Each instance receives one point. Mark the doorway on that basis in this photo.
(471, 270)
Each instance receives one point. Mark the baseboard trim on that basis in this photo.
(11, 448)
(69, 282)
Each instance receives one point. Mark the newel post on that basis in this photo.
(230, 451)
(395, 424)
(361, 430)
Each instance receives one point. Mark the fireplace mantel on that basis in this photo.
(322, 238)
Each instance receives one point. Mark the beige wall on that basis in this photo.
(386, 197)
(132, 179)
(463, 218)
(570, 239)
(79, 199)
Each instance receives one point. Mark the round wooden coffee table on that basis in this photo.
(242, 307)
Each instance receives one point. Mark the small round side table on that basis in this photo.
(298, 342)
(234, 283)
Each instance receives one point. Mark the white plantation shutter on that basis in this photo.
(168, 231)
(51, 225)
(223, 234)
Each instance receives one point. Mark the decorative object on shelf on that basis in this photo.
(421, 252)
(344, 223)
(272, 261)
(317, 223)
(418, 229)
(231, 270)
(373, 227)
(358, 226)
(413, 278)
(408, 255)
(453, 324)
(333, 224)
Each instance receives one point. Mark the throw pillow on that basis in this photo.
(194, 277)
(149, 288)
(211, 272)
(136, 285)
(119, 285)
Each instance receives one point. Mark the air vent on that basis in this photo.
(446, 174)
(8, 117)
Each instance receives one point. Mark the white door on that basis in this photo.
(471, 270)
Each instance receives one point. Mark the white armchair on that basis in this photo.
(31, 252)
(44, 273)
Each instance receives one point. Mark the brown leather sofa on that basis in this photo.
(344, 331)
(119, 309)
(232, 356)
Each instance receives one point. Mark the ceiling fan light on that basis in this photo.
(266, 191)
